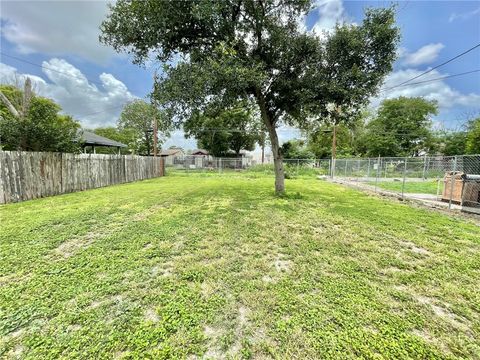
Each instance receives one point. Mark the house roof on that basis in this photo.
(90, 138)
(199, 152)
(168, 152)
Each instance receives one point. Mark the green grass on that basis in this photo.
(203, 265)
(418, 187)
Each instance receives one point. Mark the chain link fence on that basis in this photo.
(451, 181)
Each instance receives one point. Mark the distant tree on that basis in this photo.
(348, 136)
(296, 149)
(125, 136)
(449, 143)
(223, 131)
(257, 50)
(136, 121)
(473, 137)
(33, 123)
(402, 127)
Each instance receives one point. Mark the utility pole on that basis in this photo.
(155, 120)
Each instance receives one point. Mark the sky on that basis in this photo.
(56, 44)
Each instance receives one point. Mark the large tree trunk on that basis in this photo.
(269, 122)
(263, 152)
(277, 161)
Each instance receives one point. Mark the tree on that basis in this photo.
(473, 137)
(449, 143)
(254, 49)
(402, 127)
(224, 131)
(296, 149)
(33, 123)
(348, 136)
(136, 120)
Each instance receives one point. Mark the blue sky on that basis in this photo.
(92, 82)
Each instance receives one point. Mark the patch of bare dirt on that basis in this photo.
(72, 246)
(282, 265)
(74, 327)
(143, 215)
(165, 269)
(151, 315)
(444, 313)
(414, 248)
(428, 338)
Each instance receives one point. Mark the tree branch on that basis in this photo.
(9, 105)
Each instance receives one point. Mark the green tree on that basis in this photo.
(402, 127)
(348, 137)
(221, 132)
(473, 137)
(450, 143)
(35, 123)
(136, 121)
(250, 49)
(296, 149)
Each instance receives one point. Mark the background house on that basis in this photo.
(170, 154)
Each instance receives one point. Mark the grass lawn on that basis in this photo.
(417, 187)
(211, 266)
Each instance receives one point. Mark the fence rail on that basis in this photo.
(31, 175)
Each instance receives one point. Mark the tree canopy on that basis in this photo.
(136, 124)
(402, 127)
(216, 52)
(227, 131)
(473, 137)
(297, 149)
(34, 123)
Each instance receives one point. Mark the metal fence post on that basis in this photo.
(438, 187)
(368, 170)
(220, 165)
(424, 166)
(358, 169)
(346, 167)
(404, 176)
(452, 183)
(376, 175)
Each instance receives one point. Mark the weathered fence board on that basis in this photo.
(31, 175)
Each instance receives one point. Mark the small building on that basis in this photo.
(92, 140)
(169, 155)
(200, 152)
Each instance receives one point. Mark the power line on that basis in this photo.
(432, 80)
(104, 110)
(436, 67)
(72, 76)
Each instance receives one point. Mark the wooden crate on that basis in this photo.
(458, 183)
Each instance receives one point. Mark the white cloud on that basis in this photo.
(446, 96)
(329, 13)
(56, 27)
(91, 104)
(463, 16)
(425, 55)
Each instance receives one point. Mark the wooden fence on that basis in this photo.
(31, 175)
